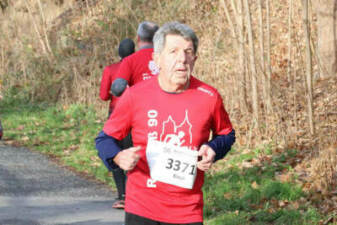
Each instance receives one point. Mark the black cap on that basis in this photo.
(126, 48)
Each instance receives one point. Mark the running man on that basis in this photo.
(125, 48)
(140, 65)
(165, 180)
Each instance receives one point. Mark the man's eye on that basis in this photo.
(190, 52)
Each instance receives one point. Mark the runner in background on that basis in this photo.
(171, 117)
(126, 48)
(132, 69)
(140, 65)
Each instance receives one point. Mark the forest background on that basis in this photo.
(273, 62)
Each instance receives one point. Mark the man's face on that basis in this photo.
(176, 61)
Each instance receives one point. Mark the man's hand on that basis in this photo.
(128, 158)
(207, 157)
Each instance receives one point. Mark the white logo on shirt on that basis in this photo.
(154, 70)
(146, 76)
(175, 139)
(206, 91)
(152, 122)
(153, 67)
(175, 134)
(171, 133)
(150, 183)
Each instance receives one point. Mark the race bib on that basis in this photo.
(172, 164)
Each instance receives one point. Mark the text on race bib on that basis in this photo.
(172, 164)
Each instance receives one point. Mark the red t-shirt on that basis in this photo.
(150, 112)
(108, 76)
(138, 67)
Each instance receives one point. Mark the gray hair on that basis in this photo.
(175, 28)
(146, 31)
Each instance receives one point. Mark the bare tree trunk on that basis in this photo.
(44, 25)
(255, 100)
(262, 58)
(327, 36)
(308, 65)
(290, 15)
(237, 33)
(237, 88)
(261, 40)
(290, 70)
(231, 24)
(269, 71)
(242, 71)
(238, 15)
(295, 103)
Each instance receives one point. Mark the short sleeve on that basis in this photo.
(119, 123)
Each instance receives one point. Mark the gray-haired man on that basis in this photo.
(140, 65)
(171, 117)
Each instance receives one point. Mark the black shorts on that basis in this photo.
(132, 219)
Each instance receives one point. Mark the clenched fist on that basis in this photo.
(128, 158)
(207, 155)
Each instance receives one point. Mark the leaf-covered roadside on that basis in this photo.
(249, 187)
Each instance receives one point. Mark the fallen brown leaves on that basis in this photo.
(317, 174)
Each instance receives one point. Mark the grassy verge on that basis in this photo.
(249, 189)
(65, 133)
(246, 188)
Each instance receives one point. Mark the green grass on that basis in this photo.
(65, 133)
(233, 194)
(253, 195)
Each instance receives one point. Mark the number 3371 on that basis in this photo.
(178, 165)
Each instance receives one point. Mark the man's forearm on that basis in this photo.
(107, 149)
(222, 144)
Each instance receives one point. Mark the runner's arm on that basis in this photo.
(107, 149)
(118, 86)
(221, 144)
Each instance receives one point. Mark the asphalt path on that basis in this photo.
(36, 191)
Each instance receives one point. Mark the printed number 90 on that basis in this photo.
(177, 165)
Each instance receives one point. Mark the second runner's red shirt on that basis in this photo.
(138, 67)
(109, 75)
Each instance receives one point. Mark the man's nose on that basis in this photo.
(181, 56)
